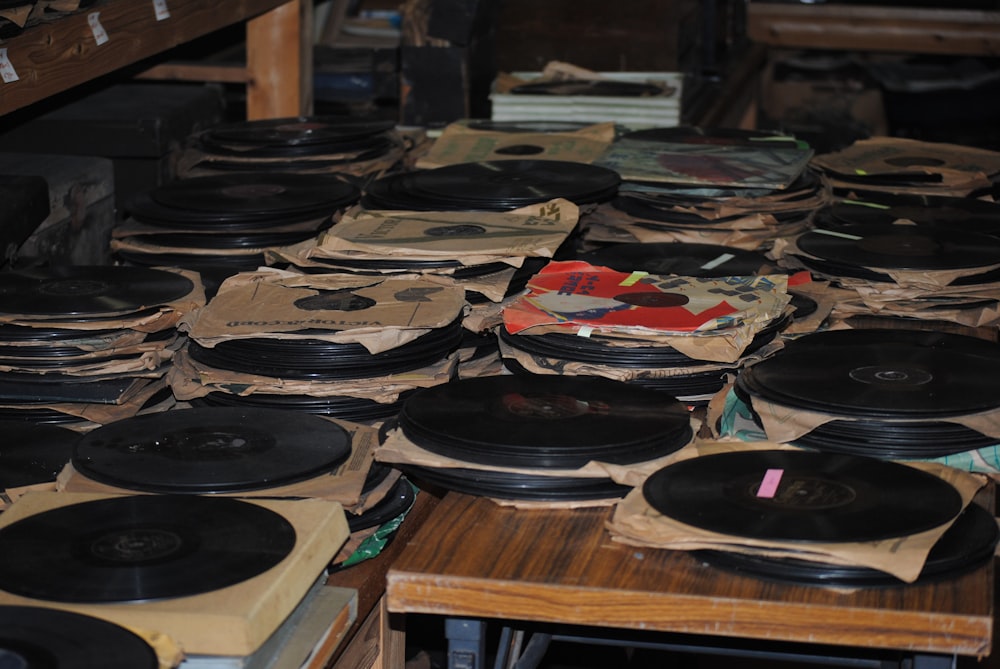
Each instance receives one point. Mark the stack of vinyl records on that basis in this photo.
(86, 345)
(883, 393)
(915, 267)
(490, 258)
(534, 438)
(244, 452)
(481, 140)
(703, 260)
(729, 187)
(679, 334)
(204, 575)
(492, 185)
(813, 518)
(908, 166)
(345, 346)
(220, 225)
(362, 148)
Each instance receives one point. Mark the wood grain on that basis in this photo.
(875, 28)
(53, 57)
(474, 558)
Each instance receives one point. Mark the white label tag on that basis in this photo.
(712, 264)
(100, 34)
(834, 233)
(161, 10)
(7, 72)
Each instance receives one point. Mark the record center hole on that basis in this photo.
(134, 545)
(520, 150)
(891, 376)
(74, 287)
(893, 245)
(653, 300)
(915, 161)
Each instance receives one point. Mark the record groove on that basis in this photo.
(140, 548)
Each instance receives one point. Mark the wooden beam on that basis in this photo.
(279, 60)
(872, 28)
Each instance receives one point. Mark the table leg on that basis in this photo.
(922, 661)
(466, 643)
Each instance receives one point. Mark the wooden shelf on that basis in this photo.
(53, 57)
(875, 28)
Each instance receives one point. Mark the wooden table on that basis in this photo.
(475, 559)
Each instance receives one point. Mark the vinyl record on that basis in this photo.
(518, 486)
(495, 185)
(904, 247)
(544, 421)
(212, 450)
(140, 548)
(396, 502)
(597, 87)
(880, 373)
(967, 544)
(320, 359)
(33, 453)
(802, 496)
(247, 197)
(89, 290)
(302, 130)
(355, 409)
(33, 637)
(685, 259)
(518, 182)
(965, 214)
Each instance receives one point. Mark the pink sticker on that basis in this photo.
(769, 484)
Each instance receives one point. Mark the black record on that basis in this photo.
(517, 182)
(518, 485)
(883, 373)
(238, 198)
(88, 290)
(495, 185)
(948, 213)
(544, 421)
(966, 545)
(33, 453)
(211, 449)
(685, 259)
(303, 130)
(356, 409)
(319, 359)
(904, 247)
(818, 497)
(598, 87)
(140, 548)
(396, 502)
(33, 637)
